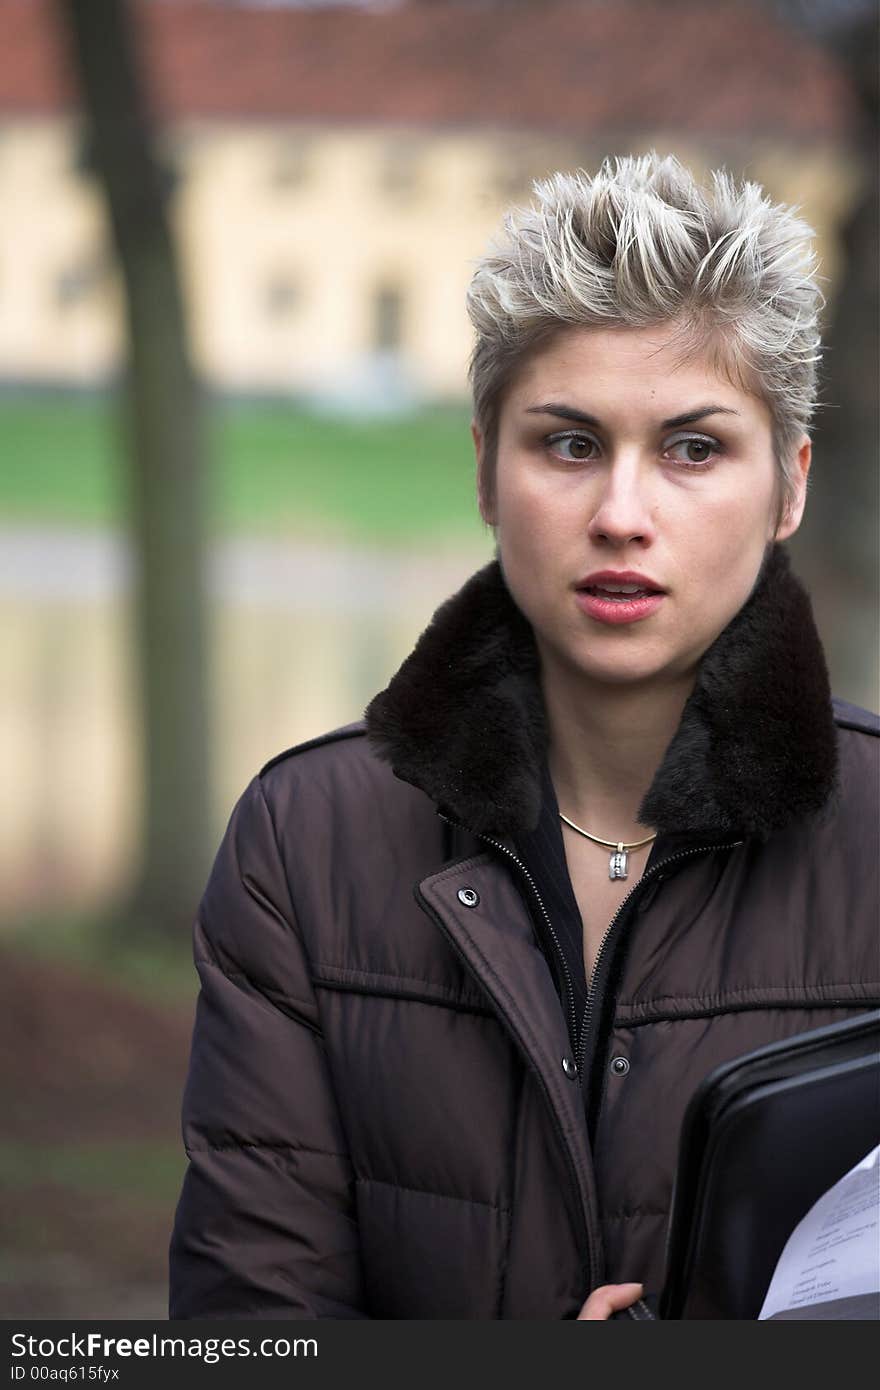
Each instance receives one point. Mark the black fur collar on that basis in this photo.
(463, 718)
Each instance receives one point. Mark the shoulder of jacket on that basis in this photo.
(847, 716)
(358, 729)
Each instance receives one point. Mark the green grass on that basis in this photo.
(147, 1169)
(274, 468)
(59, 460)
(156, 970)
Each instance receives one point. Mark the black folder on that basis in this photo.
(764, 1136)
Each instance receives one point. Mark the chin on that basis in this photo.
(619, 669)
(634, 668)
(621, 675)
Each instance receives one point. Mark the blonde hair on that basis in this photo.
(641, 243)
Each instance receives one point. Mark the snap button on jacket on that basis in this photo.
(380, 1115)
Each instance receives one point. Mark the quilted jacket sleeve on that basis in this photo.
(265, 1225)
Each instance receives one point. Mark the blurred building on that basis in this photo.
(337, 169)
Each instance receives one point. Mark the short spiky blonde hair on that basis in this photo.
(641, 243)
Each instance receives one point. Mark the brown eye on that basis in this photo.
(698, 450)
(693, 451)
(573, 447)
(579, 446)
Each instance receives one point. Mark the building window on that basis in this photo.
(513, 178)
(80, 280)
(282, 295)
(399, 171)
(387, 318)
(292, 163)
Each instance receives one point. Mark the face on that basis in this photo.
(621, 465)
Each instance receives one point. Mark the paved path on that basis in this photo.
(62, 563)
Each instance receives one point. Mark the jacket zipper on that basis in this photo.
(579, 1040)
(550, 927)
(594, 1270)
(586, 1023)
(544, 913)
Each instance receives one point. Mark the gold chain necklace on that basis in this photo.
(616, 860)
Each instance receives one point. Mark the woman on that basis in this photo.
(464, 963)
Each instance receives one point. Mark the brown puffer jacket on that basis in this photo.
(378, 1119)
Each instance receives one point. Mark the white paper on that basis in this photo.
(834, 1252)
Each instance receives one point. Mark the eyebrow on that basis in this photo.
(581, 417)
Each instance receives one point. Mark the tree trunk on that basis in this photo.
(838, 543)
(164, 430)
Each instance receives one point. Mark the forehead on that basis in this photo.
(658, 369)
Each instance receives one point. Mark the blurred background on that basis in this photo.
(235, 469)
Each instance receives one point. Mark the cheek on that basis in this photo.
(530, 538)
(527, 504)
(723, 557)
(515, 506)
(731, 520)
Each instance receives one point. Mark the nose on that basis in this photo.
(622, 510)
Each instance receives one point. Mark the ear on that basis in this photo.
(791, 519)
(485, 499)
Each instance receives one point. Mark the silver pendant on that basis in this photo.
(617, 863)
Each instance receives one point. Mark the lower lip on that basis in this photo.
(618, 610)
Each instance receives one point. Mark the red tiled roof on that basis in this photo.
(722, 68)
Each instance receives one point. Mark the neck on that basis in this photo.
(605, 745)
